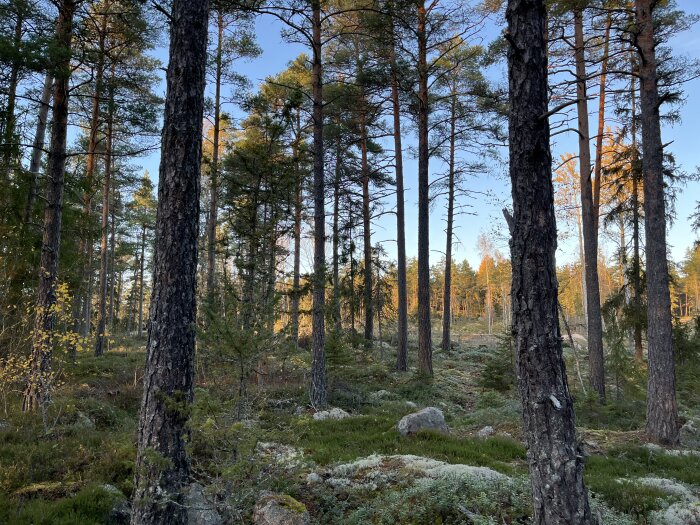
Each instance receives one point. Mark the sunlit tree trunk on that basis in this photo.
(555, 463)
(162, 464)
(662, 411)
(39, 382)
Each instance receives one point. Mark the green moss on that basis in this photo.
(347, 439)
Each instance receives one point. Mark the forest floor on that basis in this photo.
(77, 466)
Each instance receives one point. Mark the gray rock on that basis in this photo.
(411, 404)
(485, 432)
(429, 418)
(280, 509)
(690, 434)
(200, 510)
(333, 413)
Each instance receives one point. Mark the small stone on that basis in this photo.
(429, 418)
(280, 509)
(411, 404)
(485, 432)
(84, 422)
(333, 413)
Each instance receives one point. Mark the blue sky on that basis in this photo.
(494, 189)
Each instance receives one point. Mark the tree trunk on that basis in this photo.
(447, 295)
(425, 345)
(662, 411)
(318, 329)
(102, 304)
(402, 307)
(555, 463)
(636, 258)
(366, 231)
(162, 466)
(87, 242)
(337, 317)
(588, 214)
(112, 258)
(298, 204)
(38, 147)
(214, 177)
(38, 387)
(142, 261)
(598, 170)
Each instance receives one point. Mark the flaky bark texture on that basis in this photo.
(425, 344)
(162, 466)
(555, 463)
(662, 412)
(38, 382)
(318, 327)
(588, 218)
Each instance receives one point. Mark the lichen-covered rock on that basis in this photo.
(377, 471)
(200, 509)
(380, 395)
(429, 418)
(681, 513)
(280, 509)
(333, 413)
(485, 432)
(284, 456)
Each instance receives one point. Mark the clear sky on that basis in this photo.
(494, 189)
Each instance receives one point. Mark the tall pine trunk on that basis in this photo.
(38, 387)
(402, 307)
(588, 214)
(662, 411)
(298, 208)
(447, 294)
(366, 229)
(318, 394)
(214, 177)
(102, 298)
(142, 265)
(425, 345)
(555, 463)
(162, 465)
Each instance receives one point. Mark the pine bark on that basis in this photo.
(106, 188)
(588, 219)
(425, 345)
(37, 391)
(318, 394)
(402, 307)
(162, 464)
(662, 410)
(555, 462)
